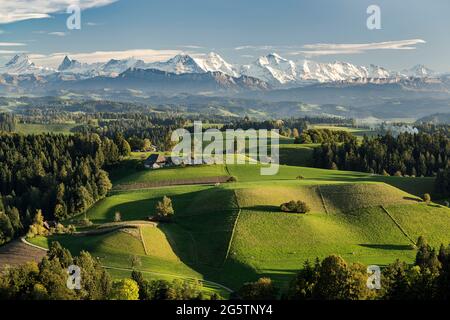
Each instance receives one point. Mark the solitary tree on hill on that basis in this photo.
(117, 217)
(164, 209)
(427, 198)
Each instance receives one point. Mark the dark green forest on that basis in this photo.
(420, 154)
(60, 174)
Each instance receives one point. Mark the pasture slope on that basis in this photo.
(233, 232)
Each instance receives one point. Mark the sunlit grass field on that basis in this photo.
(234, 232)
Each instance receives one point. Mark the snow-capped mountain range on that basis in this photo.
(272, 69)
(22, 65)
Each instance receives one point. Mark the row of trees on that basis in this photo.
(140, 130)
(335, 279)
(323, 135)
(48, 280)
(330, 279)
(165, 290)
(408, 154)
(61, 175)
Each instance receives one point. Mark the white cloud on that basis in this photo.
(321, 49)
(10, 52)
(191, 46)
(18, 10)
(57, 33)
(11, 44)
(52, 33)
(148, 55)
(254, 48)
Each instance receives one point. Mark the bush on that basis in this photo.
(232, 179)
(295, 207)
(263, 289)
(37, 228)
(85, 222)
(59, 229)
(164, 210)
(125, 289)
(427, 198)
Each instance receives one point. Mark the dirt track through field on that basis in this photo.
(167, 183)
(17, 253)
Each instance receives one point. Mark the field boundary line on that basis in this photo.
(32, 245)
(170, 183)
(227, 170)
(398, 225)
(172, 275)
(227, 253)
(143, 271)
(142, 240)
(323, 199)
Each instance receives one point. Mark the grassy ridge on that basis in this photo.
(346, 219)
(170, 174)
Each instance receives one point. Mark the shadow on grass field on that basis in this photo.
(387, 246)
(263, 208)
(234, 232)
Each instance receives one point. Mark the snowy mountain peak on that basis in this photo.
(67, 64)
(19, 60)
(272, 68)
(181, 63)
(378, 72)
(275, 58)
(115, 67)
(272, 59)
(419, 71)
(213, 62)
(21, 64)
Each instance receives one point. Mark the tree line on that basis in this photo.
(419, 154)
(332, 278)
(60, 174)
(323, 136)
(47, 280)
(138, 129)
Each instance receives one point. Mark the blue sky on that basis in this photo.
(413, 31)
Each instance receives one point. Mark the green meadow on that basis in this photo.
(231, 233)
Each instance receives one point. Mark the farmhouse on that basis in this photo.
(156, 161)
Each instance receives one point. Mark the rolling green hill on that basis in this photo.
(233, 233)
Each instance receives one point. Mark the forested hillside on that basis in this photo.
(62, 175)
(420, 154)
